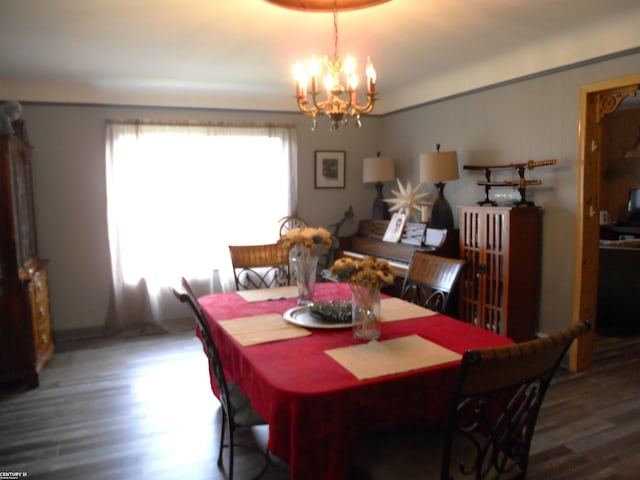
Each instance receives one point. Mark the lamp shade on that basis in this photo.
(377, 169)
(438, 167)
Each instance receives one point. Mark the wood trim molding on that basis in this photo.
(326, 5)
(609, 101)
(596, 101)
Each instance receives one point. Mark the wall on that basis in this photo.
(532, 119)
(70, 195)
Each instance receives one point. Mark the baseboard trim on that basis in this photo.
(74, 334)
(174, 325)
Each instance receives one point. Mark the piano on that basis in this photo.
(367, 241)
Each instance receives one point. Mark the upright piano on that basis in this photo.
(367, 241)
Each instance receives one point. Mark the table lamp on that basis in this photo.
(439, 167)
(378, 170)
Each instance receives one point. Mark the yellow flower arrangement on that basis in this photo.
(307, 238)
(370, 272)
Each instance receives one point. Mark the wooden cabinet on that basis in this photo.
(618, 285)
(25, 324)
(500, 284)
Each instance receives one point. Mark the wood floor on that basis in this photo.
(142, 409)
(589, 427)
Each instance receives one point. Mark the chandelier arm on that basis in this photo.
(350, 102)
(363, 109)
(302, 105)
(323, 105)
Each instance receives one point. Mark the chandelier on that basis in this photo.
(340, 100)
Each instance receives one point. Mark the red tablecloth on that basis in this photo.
(316, 408)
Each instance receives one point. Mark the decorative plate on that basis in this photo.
(334, 314)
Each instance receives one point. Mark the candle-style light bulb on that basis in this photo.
(314, 69)
(301, 79)
(353, 86)
(349, 65)
(328, 82)
(371, 76)
(353, 81)
(314, 66)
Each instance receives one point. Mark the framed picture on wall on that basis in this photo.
(329, 169)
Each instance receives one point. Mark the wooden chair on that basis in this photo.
(430, 280)
(259, 266)
(493, 413)
(237, 411)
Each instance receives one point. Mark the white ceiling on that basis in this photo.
(239, 54)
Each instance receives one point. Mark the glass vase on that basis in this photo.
(365, 311)
(304, 268)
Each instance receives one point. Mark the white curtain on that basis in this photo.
(177, 196)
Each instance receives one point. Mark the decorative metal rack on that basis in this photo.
(520, 184)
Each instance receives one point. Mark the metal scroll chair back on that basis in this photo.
(326, 254)
(430, 280)
(237, 411)
(259, 266)
(492, 417)
(290, 222)
(496, 405)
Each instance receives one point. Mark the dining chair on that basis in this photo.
(290, 222)
(430, 280)
(491, 421)
(326, 254)
(237, 412)
(259, 266)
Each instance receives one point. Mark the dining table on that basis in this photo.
(319, 388)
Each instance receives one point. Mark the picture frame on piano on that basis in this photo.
(394, 230)
(329, 169)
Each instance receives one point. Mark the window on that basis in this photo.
(178, 195)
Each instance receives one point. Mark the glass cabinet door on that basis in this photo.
(24, 228)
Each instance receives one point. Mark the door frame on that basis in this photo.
(596, 101)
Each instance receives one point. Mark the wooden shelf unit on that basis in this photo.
(499, 289)
(25, 324)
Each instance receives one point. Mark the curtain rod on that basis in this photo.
(198, 124)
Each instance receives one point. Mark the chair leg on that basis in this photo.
(227, 427)
(222, 432)
(267, 462)
(231, 449)
(265, 454)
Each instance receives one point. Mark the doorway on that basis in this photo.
(596, 101)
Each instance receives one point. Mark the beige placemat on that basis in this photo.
(269, 327)
(375, 359)
(392, 309)
(262, 294)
